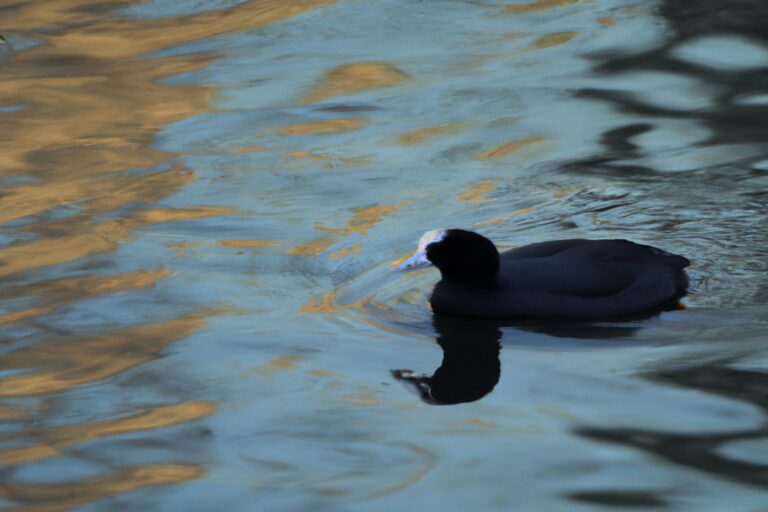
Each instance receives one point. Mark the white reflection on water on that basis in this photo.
(728, 53)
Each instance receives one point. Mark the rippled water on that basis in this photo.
(201, 200)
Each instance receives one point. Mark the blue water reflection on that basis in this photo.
(201, 202)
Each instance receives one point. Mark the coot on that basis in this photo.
(570, 279)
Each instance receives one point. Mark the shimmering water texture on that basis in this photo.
(201, 202)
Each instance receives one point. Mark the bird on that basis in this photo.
(574, 279)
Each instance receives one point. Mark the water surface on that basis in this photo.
(201, 200)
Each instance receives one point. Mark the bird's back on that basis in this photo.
(571, 279)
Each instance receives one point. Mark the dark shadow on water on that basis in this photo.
(622, 499)
(701, 451)
(619, 329)
(728, 120)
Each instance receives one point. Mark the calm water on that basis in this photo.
(201, 201)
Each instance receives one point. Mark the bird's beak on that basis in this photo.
(416, 384)
(418, 260)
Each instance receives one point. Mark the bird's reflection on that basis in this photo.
(470, 367)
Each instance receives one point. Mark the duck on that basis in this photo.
(574, 279)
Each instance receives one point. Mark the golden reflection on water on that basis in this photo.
(355, 78)
(60, 292)
(478, 192)
(60, 365)
(428, 462)
(538, 5)
(328, 304)
(283, 363)
(555, 39)
(331, 159)
(9, 413)
(117, 38)
(371, 309)
(51, 440)
(606, 20)
(501, 219)
(78, 236)
(248, 243)
(363, 220)
(420, 135)
(323, 127)
(350, 250)
(70, 494)
(90, 112)
(508, 148)
(311, 248)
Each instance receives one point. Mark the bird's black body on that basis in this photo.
(575, 279)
